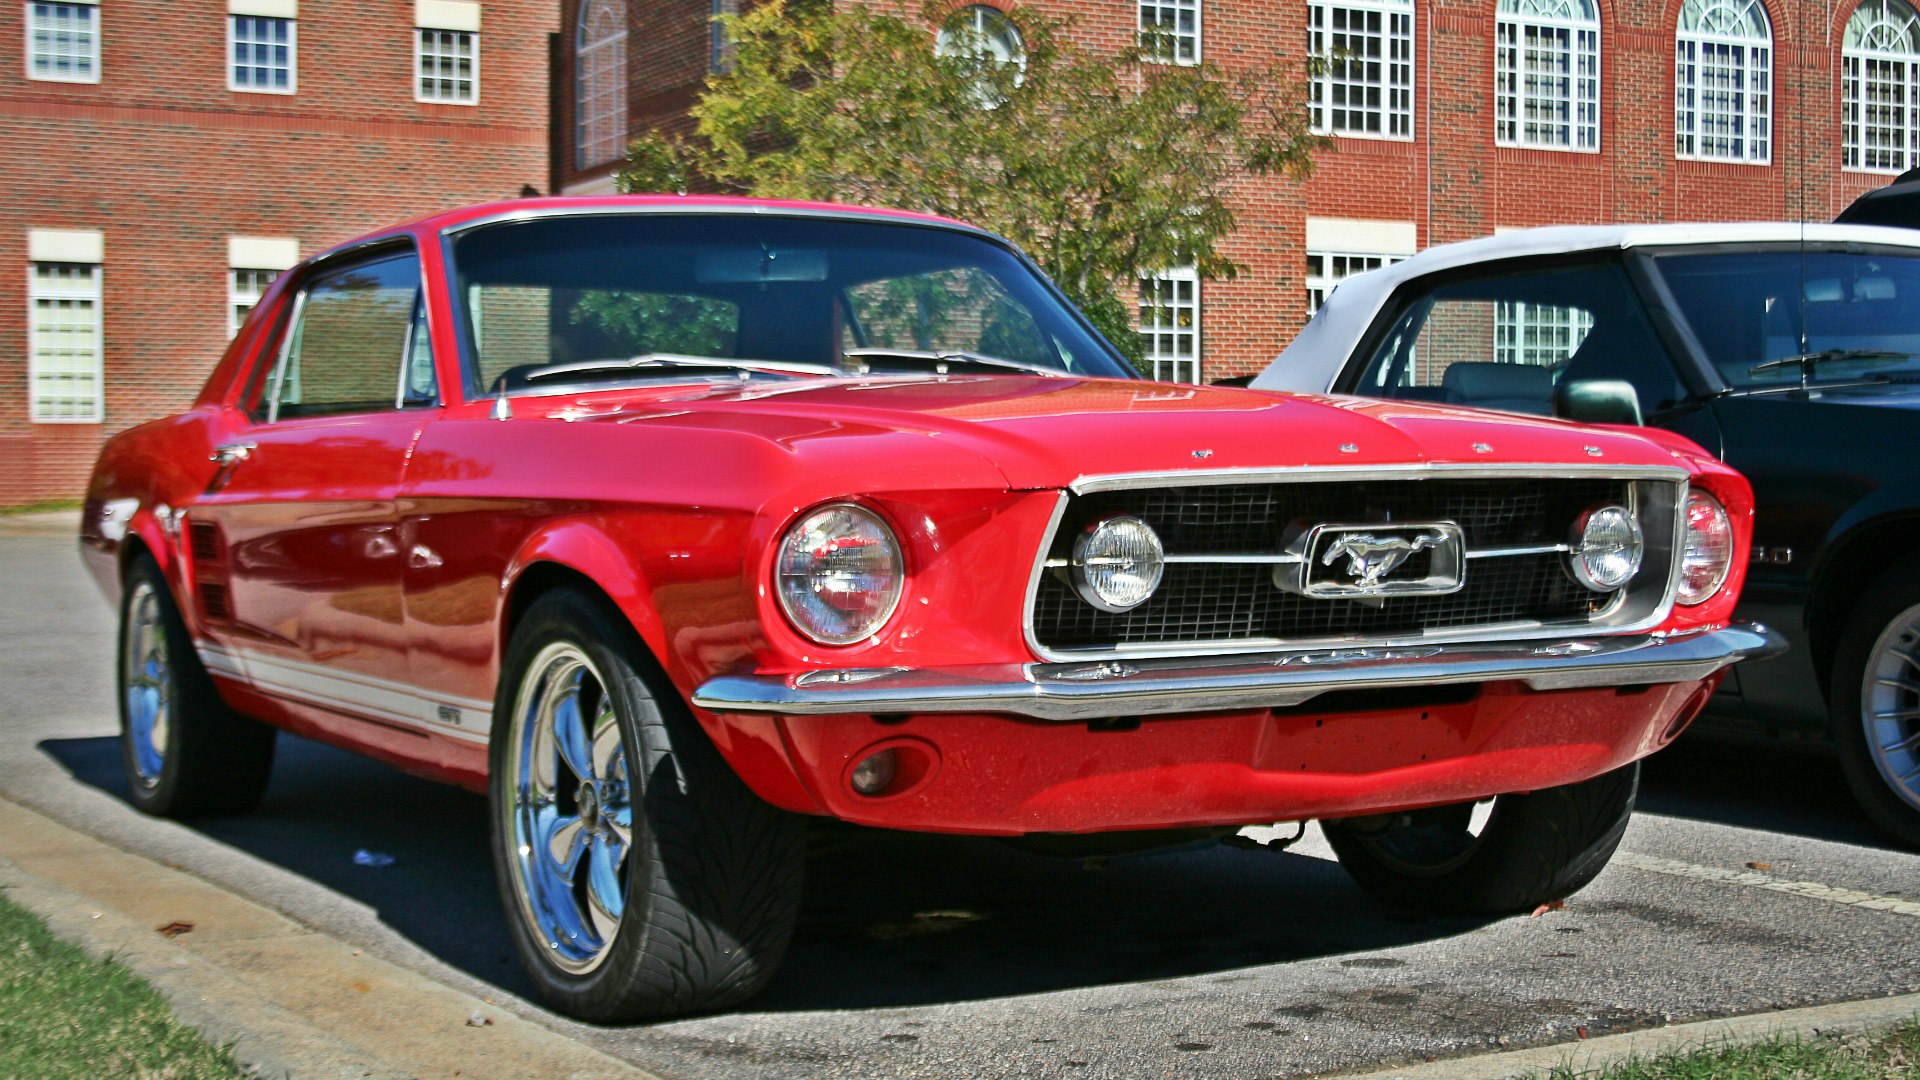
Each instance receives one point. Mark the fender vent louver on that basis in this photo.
(213, 602)
(203, 538)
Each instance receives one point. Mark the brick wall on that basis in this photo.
(1450, 180)
(168, 163)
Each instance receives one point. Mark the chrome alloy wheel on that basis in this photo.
(1890, 705)
(571, 808)
(146, 680)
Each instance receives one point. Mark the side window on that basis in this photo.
(1506, 340)
(358, 343)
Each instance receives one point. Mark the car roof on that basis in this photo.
(463, 217)
(1315, 357)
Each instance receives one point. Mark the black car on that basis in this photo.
(1792, 351)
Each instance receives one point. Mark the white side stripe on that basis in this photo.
(466, 719)
(1757, 880)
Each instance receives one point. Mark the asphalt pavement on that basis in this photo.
(1748, 882)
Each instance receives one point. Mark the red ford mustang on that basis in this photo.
(669, 521)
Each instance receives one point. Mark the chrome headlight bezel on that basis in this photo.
(1608, 547)
(1118, 562)
(839, 549)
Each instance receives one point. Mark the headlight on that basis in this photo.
(839, 574)
(1607, 548)
(1708, 553)
(1117, 563)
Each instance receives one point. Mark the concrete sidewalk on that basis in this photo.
(292, 1002)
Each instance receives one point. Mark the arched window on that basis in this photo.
(1723, 82)
(1879, 69)
(1546, 70)
(600, 74)
(982, 31)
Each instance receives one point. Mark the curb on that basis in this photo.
(1590, 1055)
(291, 1002)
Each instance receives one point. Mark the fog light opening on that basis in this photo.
(1694, 706)
(891, 769)
(875, 773)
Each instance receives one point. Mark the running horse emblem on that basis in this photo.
(1370, 558)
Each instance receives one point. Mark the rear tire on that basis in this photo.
(1532, 849)
(185, 752)
(1876, 703)
(642, 878)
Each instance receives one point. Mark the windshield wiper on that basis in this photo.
(943, 362)
(1807, 361)
(742, 369)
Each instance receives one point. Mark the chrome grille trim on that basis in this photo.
(1646, 608)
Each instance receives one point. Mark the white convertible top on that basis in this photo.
(1315, 358)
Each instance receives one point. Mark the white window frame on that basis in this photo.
(246, 287)
(599, 136)
(1344, 68)
(293, 55)
(1529, 111)
(1326, 269)
(30, 20)
(1537, 335)
(45, 366)
(1161, 18)
(1179, 361)
(1880, 57)
(719, 42)
(421, 78)
(1723, 82)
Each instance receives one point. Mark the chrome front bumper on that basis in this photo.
(1080, 691)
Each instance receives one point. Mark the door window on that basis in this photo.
(1505, 340)
(358, 343)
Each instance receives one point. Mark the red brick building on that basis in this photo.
(164, 159)
(1450, 119)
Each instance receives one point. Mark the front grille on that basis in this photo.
(1235, 603)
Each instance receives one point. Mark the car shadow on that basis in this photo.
(1775, 785)
(887, 919)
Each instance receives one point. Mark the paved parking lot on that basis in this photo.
(923, 956)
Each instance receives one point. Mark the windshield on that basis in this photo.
(557, 302)
(1848, 315)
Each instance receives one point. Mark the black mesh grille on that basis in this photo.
(1225, 602)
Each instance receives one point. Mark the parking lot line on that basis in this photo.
(1755, 879)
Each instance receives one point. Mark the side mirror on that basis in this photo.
(1598, 401)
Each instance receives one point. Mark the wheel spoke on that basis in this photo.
(606, 900)
(565, 842)
(1910, 744)
(1912, 660)
(570, 735)
(620, 820)
(608, 761)
(1898, 714)
(1911, 686)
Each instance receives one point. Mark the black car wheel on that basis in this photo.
(642, 878)
(1527, 850)
(1876, 703)
(184, 750)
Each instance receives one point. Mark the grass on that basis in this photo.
(42, 507)
(1891, 1055)
(65, 1014)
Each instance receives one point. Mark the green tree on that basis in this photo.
(1100, 166)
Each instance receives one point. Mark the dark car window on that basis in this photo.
(357, 343)
(1504, 340)
(1748, 307)
(577, 295)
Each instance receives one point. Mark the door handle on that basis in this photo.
(232, 453)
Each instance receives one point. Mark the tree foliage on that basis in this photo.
(1100, 166)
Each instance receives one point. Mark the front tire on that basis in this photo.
(185, 752)
(642, 879)
(1531, 849)
(1876, 703)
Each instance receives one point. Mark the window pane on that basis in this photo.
(64, 346)
(346, 350)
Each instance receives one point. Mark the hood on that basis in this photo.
(1047, 433)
